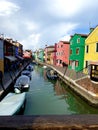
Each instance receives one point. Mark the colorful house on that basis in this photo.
(91, 50)
(1, 55)
(77, 47)
(62, 55)
(41, 55)
(48, 51)
(53, 55)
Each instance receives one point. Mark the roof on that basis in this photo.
(82, 35)
(65, 42)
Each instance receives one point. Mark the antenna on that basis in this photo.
(89, 24)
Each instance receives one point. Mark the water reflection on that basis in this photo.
(47, 97)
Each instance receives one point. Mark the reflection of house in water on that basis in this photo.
(59, 89)
(44, 74)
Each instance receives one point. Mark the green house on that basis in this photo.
(41, 55)
(77, 48)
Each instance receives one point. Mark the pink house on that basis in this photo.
(62, 54)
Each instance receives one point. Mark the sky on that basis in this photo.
(36, 23)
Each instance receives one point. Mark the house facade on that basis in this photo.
(41, 55)
(77, 48)
(48, 51)
(62, 54)
(91, 54)
(91, 48)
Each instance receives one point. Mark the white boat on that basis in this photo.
(22, 83)
(12, 103)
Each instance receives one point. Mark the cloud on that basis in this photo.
(41, 22)
(7, 8)
(64, 8)
(31, 42)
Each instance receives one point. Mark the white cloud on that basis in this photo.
(31, 42)
(7, 8)
(62, 8)
(65, 38)
(36, 23)
(30, 25)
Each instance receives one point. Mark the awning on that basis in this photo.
(11, 58)
(19, 57)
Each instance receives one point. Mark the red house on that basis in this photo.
(62, 55)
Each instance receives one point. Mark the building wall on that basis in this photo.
(41, 55)
(1, 56)
(77, 47)
(48, 51)
(62, 54)
(92, 55)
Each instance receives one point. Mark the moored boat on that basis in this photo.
(27, 73)
(29, 67)
(12, 104)
(51, 74)
(22, 84)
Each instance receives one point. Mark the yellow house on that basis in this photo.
(91, 48)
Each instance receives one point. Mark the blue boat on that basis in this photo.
(30, 67)
(27, 73)
(51, 74)
(22, 84)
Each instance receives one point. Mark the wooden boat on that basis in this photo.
(22, 84)
(12, 104)
(51, 74)
(27, 73)
(30, 67)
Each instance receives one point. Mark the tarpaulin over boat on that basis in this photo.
(19, 57)
(11, 58)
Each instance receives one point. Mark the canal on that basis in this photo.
(47, 97)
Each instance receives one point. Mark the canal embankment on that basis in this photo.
(52, 122)
(79, 83)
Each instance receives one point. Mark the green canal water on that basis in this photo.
(46, 97)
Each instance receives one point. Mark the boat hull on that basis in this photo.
(12, 104)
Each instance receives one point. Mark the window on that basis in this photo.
(70, 51)
(87, 48)
(78, 40)
(96, 47)
(61, 45)
(71, 42)
(86, 64)
(77, 51)
(77, 63)
(70, 62)
(60, 61)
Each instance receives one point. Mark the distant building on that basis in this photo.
(27, 54)
(41, 55)
(48, 51)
